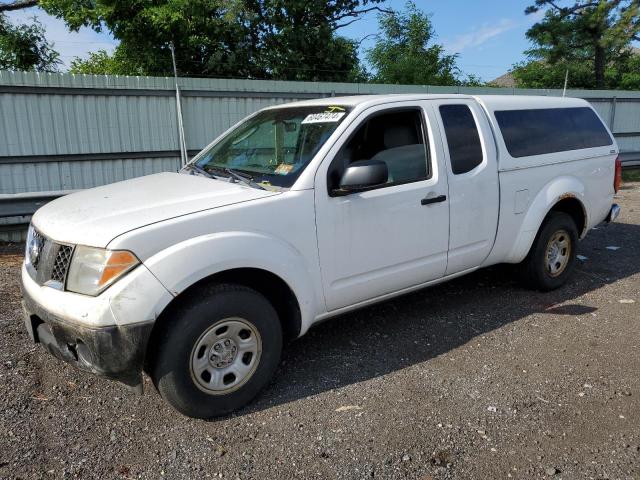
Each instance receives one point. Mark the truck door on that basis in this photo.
(471, 163)
(391, 237)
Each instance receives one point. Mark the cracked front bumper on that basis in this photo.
(106, 335)
(116, 352)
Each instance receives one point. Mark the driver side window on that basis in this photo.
(396, 138)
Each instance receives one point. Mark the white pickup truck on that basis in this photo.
(302, 212)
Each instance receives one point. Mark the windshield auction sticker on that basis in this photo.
(283, 169)
(325, 117)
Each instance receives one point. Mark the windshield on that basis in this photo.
(274, 146)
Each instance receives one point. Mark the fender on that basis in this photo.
(556, 190)
(181, 265)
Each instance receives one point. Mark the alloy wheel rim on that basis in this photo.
(558, 253)
(225, 356)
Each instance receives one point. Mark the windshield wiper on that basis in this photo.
(244, 178)
(195, 168)
(234, 174)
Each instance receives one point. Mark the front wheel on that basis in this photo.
(551, 259)
(219, 351)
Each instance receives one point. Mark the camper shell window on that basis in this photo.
(550, 130)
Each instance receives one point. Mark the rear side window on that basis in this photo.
(465, 150)
(550, 130)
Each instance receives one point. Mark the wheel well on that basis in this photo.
(574, 208)
(275, 290)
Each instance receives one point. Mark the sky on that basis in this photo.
(69, 44)
(488, 35)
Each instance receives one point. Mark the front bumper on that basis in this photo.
(116, 352)
(106, 335)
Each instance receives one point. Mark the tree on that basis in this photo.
(279, 39)
(17, 5)
(208, 36)
(622, 75)
(300, 42)
(102, 63)
(402, 53)
(630, 78)
(587, 34)
(538, 74)
(24, 47)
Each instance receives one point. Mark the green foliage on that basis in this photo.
(208, 38)
(277, 39)
(630, 78)
(101, 63)
(24, 47)
(472, 81)
(402, 53)
(537, 74)
(624, 74)
(298, 38)
(590, 38)
(629, 175)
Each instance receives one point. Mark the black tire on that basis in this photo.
(171, 370)
(535, 271)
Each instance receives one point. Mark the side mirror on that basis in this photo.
(362, 175)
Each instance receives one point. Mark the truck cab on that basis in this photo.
(302, 212)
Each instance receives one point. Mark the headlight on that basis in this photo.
(92, 270)
(29, 248)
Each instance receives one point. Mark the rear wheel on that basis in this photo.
(218, 352)
(551, 260)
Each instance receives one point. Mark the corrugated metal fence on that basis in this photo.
(63, 132)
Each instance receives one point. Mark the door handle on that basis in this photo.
(430, 200)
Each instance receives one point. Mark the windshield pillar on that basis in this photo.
(279, 146)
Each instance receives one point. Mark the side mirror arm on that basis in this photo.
(340, 192)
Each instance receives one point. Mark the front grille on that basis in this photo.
(61, 263)
(47, 261)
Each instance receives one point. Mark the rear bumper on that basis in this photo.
(116, 352)
(613, 213)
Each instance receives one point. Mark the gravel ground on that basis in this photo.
(478, 378)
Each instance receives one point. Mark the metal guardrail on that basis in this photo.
(23, 204)
(17, 209)
(630, 159)
(87, 157)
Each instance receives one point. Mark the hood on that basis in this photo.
(96, 216)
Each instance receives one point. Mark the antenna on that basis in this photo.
(566, 80)
(183, 145)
